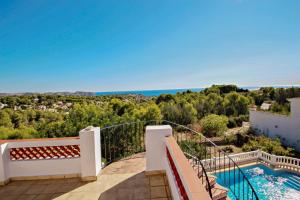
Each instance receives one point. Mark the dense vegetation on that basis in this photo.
(58, 116)
(248, 141)
(278, 97)
(268, 145)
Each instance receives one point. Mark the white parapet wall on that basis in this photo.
(37, 168)
(155, 146)
(40, 169)
(38, 158)
(164, 155)
(181, 174)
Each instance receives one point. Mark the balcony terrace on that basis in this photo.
(126, 161)
(124, 179)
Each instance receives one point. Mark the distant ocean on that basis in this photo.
(150, 93)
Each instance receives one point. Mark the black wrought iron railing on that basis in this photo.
(201, 172)
(122, 140)
(214, 161)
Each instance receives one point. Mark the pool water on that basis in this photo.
(269, 184)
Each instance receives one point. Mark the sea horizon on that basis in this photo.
(149, 93)
(171, 91)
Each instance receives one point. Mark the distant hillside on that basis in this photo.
(77, 93)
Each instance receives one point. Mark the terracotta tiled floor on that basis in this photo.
(122, 180)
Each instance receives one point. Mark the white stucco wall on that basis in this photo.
(274, 125)
(30, 168)
(156, 147)
(295, 107)
(54, 167)
(87, 165)
(156, 157)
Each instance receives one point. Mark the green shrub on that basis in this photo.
(237, 139)
(194, 148)
(241, 139)
(237, 121)
(268, 145)
(231, 123)
(214, 125)
(20, 133)
(230, 139)
(227, 149)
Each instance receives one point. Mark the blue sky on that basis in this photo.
(98, 45)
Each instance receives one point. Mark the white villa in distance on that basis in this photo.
(287, 128)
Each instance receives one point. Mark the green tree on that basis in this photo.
(188, 113)
(199, 104)
(236, 104)
(214, 125)
(214, 104)
(182, 113)
(280, 108)
(170, 112)
(17, 119)
(164, 98)
(151, 112)
(281, 96)
(5, 120)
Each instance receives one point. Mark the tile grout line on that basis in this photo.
(166, 185)
(149, 187)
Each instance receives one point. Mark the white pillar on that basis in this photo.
(273, 160)
(90, 153)
(155, 147)
(259, 154)
(4, 159)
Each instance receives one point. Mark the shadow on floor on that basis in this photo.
(139, 187)
(39, 189)
(133, 188)
(121, 180)
(111, 187)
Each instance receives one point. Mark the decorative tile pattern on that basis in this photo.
(45, 152)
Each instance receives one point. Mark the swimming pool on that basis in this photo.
(268, 184)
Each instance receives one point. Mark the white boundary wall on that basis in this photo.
(45, 167)
(157, 161)
(87, 166)
(285, 162)
(287, 128)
